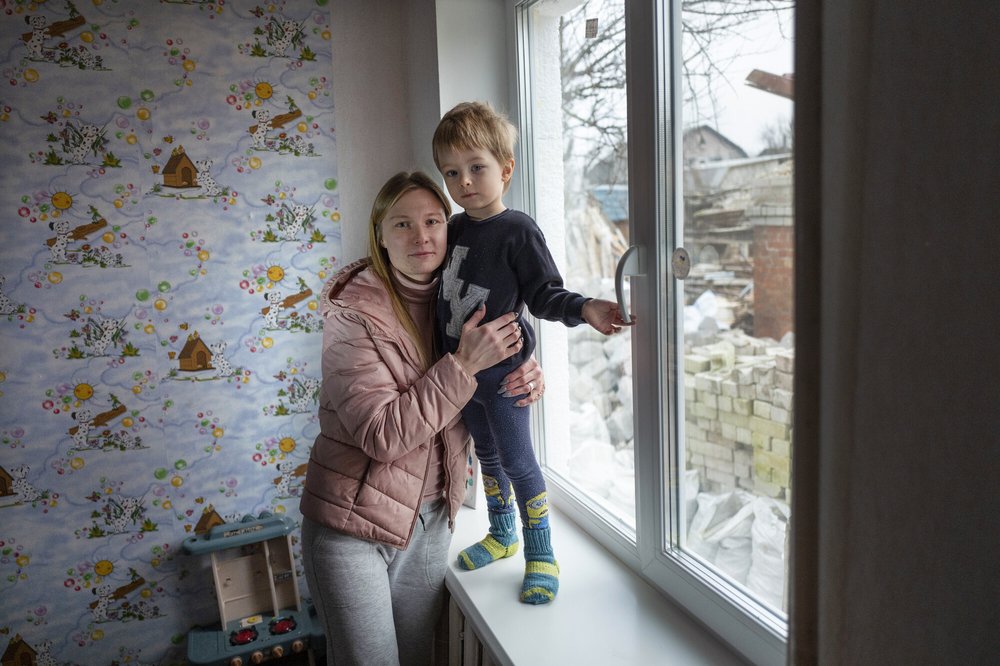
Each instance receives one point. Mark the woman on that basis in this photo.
(388, 471)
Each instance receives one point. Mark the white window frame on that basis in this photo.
(750, 627)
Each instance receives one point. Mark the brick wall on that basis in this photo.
(773, 254)
(738, 415)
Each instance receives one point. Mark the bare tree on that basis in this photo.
(593, 69)
(777, 137)
(705, 24)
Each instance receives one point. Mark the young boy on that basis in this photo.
(498, 257)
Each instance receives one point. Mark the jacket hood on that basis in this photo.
(357, 290)
(354, 287)
(335, 285)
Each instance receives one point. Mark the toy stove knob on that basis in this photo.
(298, 646)
(236, 661)
(256, 657)
(277, 651)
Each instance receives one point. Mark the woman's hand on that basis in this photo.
(526, 380)
(482, 347)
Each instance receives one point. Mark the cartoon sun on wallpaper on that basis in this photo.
(273, 450)
(264, 90)
(62, 200)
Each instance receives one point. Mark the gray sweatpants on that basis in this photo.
(378, 605)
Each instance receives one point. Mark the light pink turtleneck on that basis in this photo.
(419, 300)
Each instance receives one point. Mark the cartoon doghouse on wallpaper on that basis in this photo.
(19, 653)
(180, 170)
(6, 483)
(195, 355)
(209, 519)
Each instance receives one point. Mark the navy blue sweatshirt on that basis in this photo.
(504, 262)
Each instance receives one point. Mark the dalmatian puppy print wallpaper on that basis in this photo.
(170, 213)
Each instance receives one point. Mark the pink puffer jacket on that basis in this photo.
(379, 414)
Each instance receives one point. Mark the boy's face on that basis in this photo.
(476, 180)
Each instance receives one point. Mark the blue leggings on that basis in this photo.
(502, 434)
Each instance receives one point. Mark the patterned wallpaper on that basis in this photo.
(169, 211)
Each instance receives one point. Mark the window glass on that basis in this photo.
(579, 178)
(737, 353)
(725, 488)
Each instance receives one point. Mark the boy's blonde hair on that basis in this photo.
(472, 125)
(392, 192)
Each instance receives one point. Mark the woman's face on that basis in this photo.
(415, 234)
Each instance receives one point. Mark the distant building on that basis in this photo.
(703, 144)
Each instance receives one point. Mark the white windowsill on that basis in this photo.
(604, 613)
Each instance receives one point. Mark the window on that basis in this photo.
(671, 442)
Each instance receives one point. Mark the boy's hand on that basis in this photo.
(604, 316)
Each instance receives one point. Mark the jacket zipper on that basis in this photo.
(420, 500)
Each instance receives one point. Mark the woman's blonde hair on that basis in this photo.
(388, 196)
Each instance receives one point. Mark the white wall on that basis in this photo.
(384, 87)
(424, 78)
(397, 67)
(472, 47)
(474, 58)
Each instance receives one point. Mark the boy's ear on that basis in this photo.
(508, 170)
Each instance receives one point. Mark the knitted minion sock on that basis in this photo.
(541, 571)
(501, 542)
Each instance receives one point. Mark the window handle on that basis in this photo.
(629, 265)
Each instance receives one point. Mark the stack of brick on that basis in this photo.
(738, 415)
